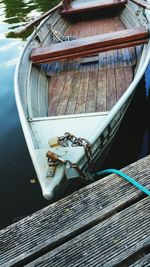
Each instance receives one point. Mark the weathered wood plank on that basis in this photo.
(56, 223)
(101, 91)
(81, 101)
(91, 94)
(120, 82)
(120, 52)
(84, 7)
(66, 4)
(111, 89)
(144, 262)
(128, 73)
(62, 105)
(89, 45)
(98, 27)
(55, 90)
(87, 91)
(91, 51)
(107, 244)
(110, 27)
(71, 105)
(109, 60)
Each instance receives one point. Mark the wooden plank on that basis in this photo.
(144, 262)
(66, 4)
(84, 7)
(127, 53)
(92, 51)
(83, 32)
(109, 243)
(58, 222)
(110, 27)
(55, 90)
(71, 30)
(128, 73)
(132, 56)
(119, 26)
(120, 82)
(71, 105)
(91, 94)
(87, 92)
(94, 31)
(94, 26)
(93, 44)
(100, 26)
(62, 105)
(101, 91)
(82, 95)
(111, 89)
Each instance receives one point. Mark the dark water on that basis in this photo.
(20, 193)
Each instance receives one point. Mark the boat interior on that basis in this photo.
(89, 55)
(73, 77)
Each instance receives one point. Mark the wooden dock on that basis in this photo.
(104, 224)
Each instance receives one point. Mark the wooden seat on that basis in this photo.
(88, 6)
(90, 45)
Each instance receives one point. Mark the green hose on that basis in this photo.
(125, 176)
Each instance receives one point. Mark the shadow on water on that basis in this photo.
(20, 193)
(131, 142)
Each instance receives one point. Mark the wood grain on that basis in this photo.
(84, 7)
(107, 244)
(91, 205)
(89, 45)
(113, 71)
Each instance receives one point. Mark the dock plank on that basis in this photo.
(106, 244)
(144, 262)
(41, 232)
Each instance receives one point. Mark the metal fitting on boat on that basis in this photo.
(54, 157)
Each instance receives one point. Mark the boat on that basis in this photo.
(74, 82)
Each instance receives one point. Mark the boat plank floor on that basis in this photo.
(104, 81)
(75, 91)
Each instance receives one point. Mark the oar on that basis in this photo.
(37, 20)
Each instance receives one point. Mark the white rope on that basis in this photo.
(59, 36)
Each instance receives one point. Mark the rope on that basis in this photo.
(126, 177)
(59, 36)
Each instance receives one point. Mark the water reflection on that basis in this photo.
(17, 11)
(18, 196)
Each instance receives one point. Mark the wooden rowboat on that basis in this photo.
(74, 82)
